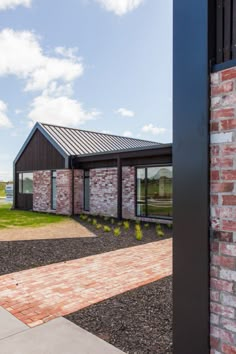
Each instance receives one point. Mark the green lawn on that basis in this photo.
(18, 218)
(2, 189)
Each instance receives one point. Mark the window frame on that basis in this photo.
(52, 178)
(20, 182)
(146, 199)
(86, 177)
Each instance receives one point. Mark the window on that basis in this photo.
(25, 180)
(154, 191)
(86, 191)
(54, 190)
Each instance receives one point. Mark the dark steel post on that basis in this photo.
(191, 169)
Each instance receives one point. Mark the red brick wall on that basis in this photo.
(128, 192)
(223, 212)
(103, 191)
(78, 191)
(64, 192)
(42, 191)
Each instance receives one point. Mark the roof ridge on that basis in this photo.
(96, 132)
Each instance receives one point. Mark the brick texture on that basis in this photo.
(64, 192)
(78, 191)
(128, 192)
(42, 191)
(103, 191)
(40, 294)
(223, 212)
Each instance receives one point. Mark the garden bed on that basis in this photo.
(20, 255)
(137, 322)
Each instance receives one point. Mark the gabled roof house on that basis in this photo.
(71, 171)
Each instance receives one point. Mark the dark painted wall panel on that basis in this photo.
(40, 155)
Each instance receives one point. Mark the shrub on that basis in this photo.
(89, 220)
(117, 231)
(112, 221)
(138, 233)
(94, 222)
(119, 223)
(83, 217)
(106, 228)
(170, 226)
(146, 226)
(137, 222)
(159, 231)
(126, 225)
(98, 226)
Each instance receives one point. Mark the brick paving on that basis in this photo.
(40, 294)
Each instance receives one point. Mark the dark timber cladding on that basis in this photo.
(225, 30)
(39, 154)
(191, 169)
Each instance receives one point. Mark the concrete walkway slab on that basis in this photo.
(9, 324)
(59, 336)
(40, 294)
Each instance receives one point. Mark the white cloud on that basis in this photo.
(124, 112)
(11, 4)
(22, 55)
(67, 52)
(59, 110)
(127, 134)
(4, 120)
(150, 128)
(120, 7)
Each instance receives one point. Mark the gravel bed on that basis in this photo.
(137, 322)
(20, 255)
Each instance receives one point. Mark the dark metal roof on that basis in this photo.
(81, 142)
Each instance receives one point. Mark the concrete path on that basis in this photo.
(59, 336)
(40, 294)
(70, 228)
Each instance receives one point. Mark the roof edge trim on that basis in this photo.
(39, 127)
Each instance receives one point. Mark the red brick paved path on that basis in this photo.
(38, 295)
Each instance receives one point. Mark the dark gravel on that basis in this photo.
(137, 322)
(19, 255)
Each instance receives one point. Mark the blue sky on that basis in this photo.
(103, 65)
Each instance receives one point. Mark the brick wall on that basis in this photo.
(103, 191)
(128, 192)
(64, 192)
(223, 212)
(42, 191)
(78, 191)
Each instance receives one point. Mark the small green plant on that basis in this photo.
(117, 231)
(106, 218)
(159, 231)
(138, 233)
(98, 226)
(89, 220)
(106, 228)
(119, 223)
(112, 221)
(83, 217)
(137, 222)
(94, 222)
(126, 225)
(146, 226)
(170, 226)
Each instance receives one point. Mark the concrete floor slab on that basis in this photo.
(58, 336)
(9, 324)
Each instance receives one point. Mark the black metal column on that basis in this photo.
(119, 188)
(191, 169)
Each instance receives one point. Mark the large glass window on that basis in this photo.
(25, 180)
(54, 190)
(86, 191)
(154, 191)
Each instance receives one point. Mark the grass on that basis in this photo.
(2, 189)
(18, 218)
